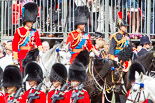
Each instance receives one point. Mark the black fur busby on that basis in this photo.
(136, 66)
(31, 56)
(82, 57)
(125, 54)
(58, 73)
(29, 12)
(81, 15)
(34, 71)
(12, 77)
(77, 72)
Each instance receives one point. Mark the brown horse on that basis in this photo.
(104, 74)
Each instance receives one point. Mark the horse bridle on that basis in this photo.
(119, 79)
(58, 55)
(100, 77)
(138, 94)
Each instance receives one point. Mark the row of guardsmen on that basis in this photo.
(61, 91)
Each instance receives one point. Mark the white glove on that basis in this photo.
(92, 55)
(15, 62)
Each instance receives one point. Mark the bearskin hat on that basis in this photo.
(34, 71)
(29, 12)
(82, 57)
(12, 77)
(77, 72)
(31, 56)
(81, 15)
(58, 73)
(136, 66)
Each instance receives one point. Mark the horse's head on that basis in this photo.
(63, 54)
(111, 73)
(32, 55)
(137, 93)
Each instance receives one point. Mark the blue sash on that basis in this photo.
(81, 43)
(117, 51)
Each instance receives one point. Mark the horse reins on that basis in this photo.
(137, 95)
(92, 75)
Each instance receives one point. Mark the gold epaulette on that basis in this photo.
(113, 35)
(118, 41)
(78, 37)
(23, 36)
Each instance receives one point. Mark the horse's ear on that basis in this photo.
(137, 75)
(141, 76)
(136, 66)
(134, 57)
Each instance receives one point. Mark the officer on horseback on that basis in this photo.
(145, 42)
(26, 38)
(78, 39)
(119, 40)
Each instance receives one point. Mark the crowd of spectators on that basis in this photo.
(51, 20)
(6, 52)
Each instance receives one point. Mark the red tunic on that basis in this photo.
(50, 94)
(19, 41)
(5, 98)
(41, 99)
(68, 95)
(79, 40)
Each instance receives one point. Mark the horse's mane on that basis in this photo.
(31, 56)
(135, 66)
(146, 59)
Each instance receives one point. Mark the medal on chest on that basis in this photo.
(85, 37)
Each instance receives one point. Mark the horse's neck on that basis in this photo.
(149, 87)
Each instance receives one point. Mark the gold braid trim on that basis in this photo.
(119, 42)
(25, 36)
(20, 33)
(78, 37)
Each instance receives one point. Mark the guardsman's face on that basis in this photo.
(32, 83)
(75, 83)
(56, 84)
(11, 90)
(29, 24)
(81, 26)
